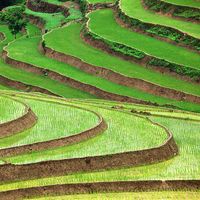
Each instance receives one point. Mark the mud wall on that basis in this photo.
(102, 187)
(43, 6)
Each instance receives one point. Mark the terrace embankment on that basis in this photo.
(167, 150)
(22, 86)
(43, 6)
(26, 121)
(71, 82)
(117, 77)
(79, 137)
(99, 187)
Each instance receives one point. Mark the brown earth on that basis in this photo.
(101, 187)
(43, 6)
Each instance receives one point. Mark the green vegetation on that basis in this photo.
(34, 57)
(186, 12)
(111, 141)
(49, 122)
(52, 20)
(125, 128)
(179, 167)
(76, 47)
(2, 87)
(14, 18)
(10, 109)
(33, 79)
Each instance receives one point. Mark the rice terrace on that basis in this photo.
(100, 99)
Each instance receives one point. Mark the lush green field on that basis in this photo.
(34, 57)
(189, 3)
(129, 127)
(163, 195)
(136, 10)
(103, 24)
(184, 166)
(10, 109)
(50, 122)
(125, 132)
(76, 47)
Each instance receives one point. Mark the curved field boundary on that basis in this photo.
(174, 10)
(26, 121)
(65, 141)
(69, 81)
(117, 77)
(22, 86)
(145, 59)
(43, 6)
(143, 27)
(167, 150)
(98, 187)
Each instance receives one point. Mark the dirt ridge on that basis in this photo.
(43, 6)
(99, 187)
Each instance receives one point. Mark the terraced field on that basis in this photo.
(101, 100)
